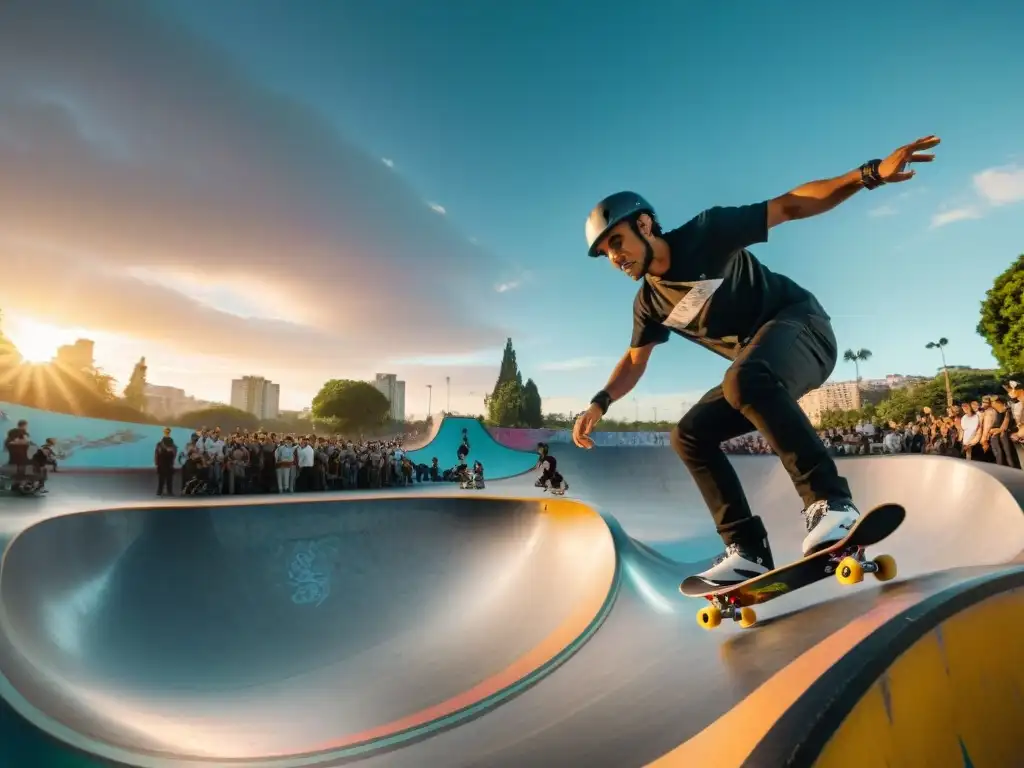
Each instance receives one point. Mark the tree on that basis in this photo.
(135, 391)
(531, 415)
(839, 419)
(907, 402)
(1002, 317)
(861, 355)
(506, 405)
(945, 370)
(509, 370)
(222, 416)
(354, 406)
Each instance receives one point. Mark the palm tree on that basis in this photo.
(945, 371)
(861, 355)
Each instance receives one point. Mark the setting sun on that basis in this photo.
(37, 342)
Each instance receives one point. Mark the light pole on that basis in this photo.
(945, 371)
(636, 412)
(655, 409)
(430, 398)
(448, 394)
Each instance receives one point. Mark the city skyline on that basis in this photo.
(262, 206)
(169, 400)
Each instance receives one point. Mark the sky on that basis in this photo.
(307, 191)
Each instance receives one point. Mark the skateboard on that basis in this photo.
(845, 559)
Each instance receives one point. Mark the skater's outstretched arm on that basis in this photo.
(817, 197)
(627, 373)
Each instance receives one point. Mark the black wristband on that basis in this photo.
(869, 176)
(603, 400)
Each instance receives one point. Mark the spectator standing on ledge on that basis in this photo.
(700, 282)
(164, 456)
(304, 460)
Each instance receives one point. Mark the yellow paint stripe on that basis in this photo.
(962, 682)
(730, 739)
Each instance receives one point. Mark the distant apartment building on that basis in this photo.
(832, 396)
(77, 356)
(169, 402)
(256, 395)
(394, 390)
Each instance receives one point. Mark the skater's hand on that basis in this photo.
(585, 424)
(893, 168)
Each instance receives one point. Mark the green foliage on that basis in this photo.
(223, 416)
(355, 406)
(508, 389)
(531, 415)
(907, 403)
(135, 391)
(102, 383)
(505, 405)
(837, 419)
(1002, 317)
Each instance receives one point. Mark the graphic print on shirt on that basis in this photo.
(696, 298)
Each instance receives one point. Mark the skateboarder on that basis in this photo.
(700, 282)
(550, 478)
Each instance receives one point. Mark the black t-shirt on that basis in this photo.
(16, 454)
(715, 292)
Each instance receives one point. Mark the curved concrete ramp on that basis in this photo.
(942, 684)
(499, 461)
(198, 632)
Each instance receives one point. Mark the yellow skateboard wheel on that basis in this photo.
(886, 566)
(747, 617)
(709, 617)
(850, 571)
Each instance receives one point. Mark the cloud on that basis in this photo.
(943, 218)
(882, 210)
(511, 285)
(126, 181)
(388, 162)
(1001, 186)
(575, 364)
(438, 208)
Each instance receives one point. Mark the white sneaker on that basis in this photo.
(827, 523)
(737, 565)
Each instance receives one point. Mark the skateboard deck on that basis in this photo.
(845, 560)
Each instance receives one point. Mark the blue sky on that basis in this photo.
(353, 187)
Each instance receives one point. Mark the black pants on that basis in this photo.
(789, 356)
(165, 479)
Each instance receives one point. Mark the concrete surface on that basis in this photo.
(430, 599)
(499, 461)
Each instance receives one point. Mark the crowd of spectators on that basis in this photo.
(265, 462)
(990, 429)
(751, 444)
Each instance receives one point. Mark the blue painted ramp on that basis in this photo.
(498, 460)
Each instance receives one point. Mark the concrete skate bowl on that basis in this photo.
(499, 461)
(292, 634)
(647, 685)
